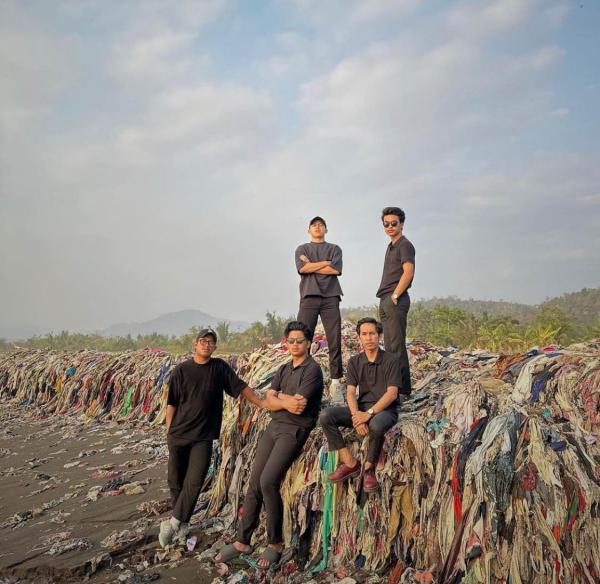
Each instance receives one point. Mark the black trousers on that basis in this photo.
(393, 317)
(277, 449)
(332, 418)
(329, 310)
(189, 462)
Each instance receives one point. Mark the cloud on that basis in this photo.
(36, 67)
(172, 172)
(154, 58)
(481, 19)
(349, 13)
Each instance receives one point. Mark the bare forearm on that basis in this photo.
(351, 398)
(311, 267)
(169, 416)
(328, 271)
(386, 400)
(249, 394)
(405, 279)
(272, 401)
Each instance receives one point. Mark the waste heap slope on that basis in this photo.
(491, 473)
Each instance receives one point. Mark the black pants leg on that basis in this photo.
(308, 313)
(379, 424)
(330, 420)
(279, 446)
(188, 465)
(394, 318)
(179, 456)
(332, 322)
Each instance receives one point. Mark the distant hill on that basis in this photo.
(524, 313)
(584, 306)
(173, 323)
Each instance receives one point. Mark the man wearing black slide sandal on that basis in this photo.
(294, 400)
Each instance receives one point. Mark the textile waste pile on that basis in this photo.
(490, 475)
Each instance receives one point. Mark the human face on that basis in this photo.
(205, 347)
(369, 337)
(394, 227)
(297, 344)
(317, 230)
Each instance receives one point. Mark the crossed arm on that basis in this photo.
(361, 419)
(323, 267)
(275, 401)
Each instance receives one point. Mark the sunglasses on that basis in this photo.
(295, 341)
(206, 343)
(387, 224)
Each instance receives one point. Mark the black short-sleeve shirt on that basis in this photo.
(373, 378)
(396, 254)
(197, 393)
(305, 379)
(324, 285)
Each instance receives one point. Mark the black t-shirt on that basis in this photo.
(305, 379)
(373, 378)
(396, 255)
(320, 284)
(197, 393)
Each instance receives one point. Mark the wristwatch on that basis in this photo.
(371, 412)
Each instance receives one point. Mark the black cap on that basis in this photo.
(317, 218)
(205, 332)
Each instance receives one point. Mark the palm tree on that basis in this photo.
(223, 332)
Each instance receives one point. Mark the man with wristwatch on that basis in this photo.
(377, 375)
(397, 277)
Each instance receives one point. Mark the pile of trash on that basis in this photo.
(491, 474)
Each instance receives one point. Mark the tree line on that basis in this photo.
(439, 325)
(257, 334)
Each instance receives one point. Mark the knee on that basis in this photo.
(325, 418)
(376, 429)
(269, 485)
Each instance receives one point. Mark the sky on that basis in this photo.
(161, 155)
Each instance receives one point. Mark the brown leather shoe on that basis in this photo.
(369, 481)
(343, 472)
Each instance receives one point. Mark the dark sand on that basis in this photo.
(33, 453)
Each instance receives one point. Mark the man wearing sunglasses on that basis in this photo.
(294, 400)
(319, 264)
(194, 415)
(397, 277)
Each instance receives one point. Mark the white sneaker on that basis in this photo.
(166, 533)
(337, 391)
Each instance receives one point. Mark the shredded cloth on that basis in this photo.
(490, 475)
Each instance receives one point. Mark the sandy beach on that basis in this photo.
(67, 485)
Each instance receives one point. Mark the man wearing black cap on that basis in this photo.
(194, 415)
(319, 264)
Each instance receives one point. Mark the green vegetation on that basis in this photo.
(497, 326)
(271, 331)
(444, 325)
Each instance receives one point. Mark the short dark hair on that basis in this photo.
(369, 320)
(296, 325)
(393, 211)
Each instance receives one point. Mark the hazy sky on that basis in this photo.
(162, 155)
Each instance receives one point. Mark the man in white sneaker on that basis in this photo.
(194, 416)
(319, 264)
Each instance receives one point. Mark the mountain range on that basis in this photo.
(173, 323)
